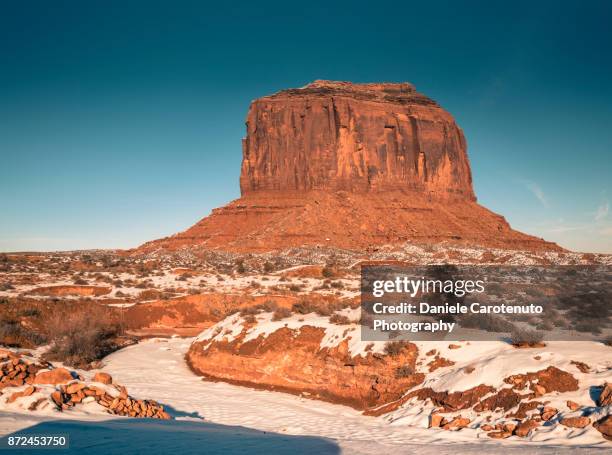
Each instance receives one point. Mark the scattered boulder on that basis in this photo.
(548, 413)
(524, 428)
(24, 393)
(538, 390)
(74, 388)
(439, 362)
(575, 422)
(435, 421)
(16, 372)
(103, 378)
(572, 405)
(57, 398)
(55, 376)
(604, 426)
(457, 423)
(605, 397)
(510, 427)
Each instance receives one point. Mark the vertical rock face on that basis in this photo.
(354, 137)
(351, 166)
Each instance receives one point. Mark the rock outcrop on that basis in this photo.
(40, 385)
(293, 361)
(351, 166)
(356, 137)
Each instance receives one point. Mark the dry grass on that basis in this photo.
(281, 313)
(82, 336)
(404, 371)
(395, 348)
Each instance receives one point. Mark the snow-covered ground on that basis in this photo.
(156, 369)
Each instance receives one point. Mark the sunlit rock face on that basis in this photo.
(355, 137)
(352, 166)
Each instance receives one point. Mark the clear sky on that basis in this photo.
(121, 121)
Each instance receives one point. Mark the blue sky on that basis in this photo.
(121, 122)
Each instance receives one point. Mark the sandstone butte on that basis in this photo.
(351, 166)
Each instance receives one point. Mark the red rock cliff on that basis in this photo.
(356, 137)
(351, 166)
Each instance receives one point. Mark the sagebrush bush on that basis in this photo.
(85, 334)
(13, 334)
(281, 313)
(404, 371)
(394, 348)
(526, 336)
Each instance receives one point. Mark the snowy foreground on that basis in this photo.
(222, 418)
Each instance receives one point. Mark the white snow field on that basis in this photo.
(221, 418)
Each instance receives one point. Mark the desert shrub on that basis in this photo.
(394, 348)
(250, 310)
(304, 307)
(546, 325)
(281, 313)
(339, 319)
(404, 371)
(327, 271)
(269, 305)
(83, 335)
(80, 281)
(526, 336)
(589, 326)
(337, 285)
(13, 334)
(295, 287)
(30, 312)
(6, 287)
(240, 268)
(250, 318)
(268, 267)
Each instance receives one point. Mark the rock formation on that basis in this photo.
(340, 136)
(351, 166)
(293, 361)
